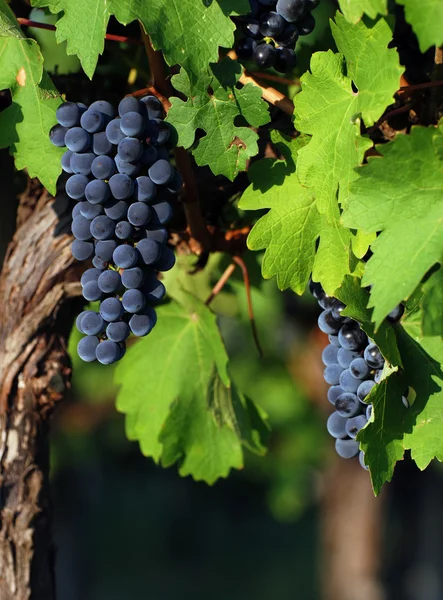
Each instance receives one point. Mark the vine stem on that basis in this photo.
(108, 36)
(241, 263)
(221, 283)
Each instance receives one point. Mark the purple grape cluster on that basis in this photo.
(353, 366)
(122, 181)
(271, 31)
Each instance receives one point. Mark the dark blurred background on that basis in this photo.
(298, 523)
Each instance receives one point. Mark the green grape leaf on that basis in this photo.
(331, 111)
(356, 299)
(167, 389)
(291, 228)
(83, 26)
(214, 105)
(432, 305)
(25, 124)
(426, 18)
(353, 10)
(188, 32)
(399, 194)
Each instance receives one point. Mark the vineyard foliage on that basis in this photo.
(325, 200)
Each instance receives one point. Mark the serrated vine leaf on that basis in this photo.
(400, 195)
(166, 382)
(189, 32)
(331, 111)
(353, 10)
(290, 230)
(213, 104)
(426, 18)
(25, 124)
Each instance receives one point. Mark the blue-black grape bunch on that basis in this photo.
(121, 179)
(271, 31)
(353, 366)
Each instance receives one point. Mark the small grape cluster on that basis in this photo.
(122, 179)
(272, 29)
(353, 366)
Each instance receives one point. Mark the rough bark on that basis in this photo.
(34, 374)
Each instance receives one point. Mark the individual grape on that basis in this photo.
(245, 48)
(76, 210)
(122, 186)
(104, 249)
(77, 139)
(80, 228)
(333, 393)
(97, 191)
(68, 114)
(361, 458)
(57, 135)
(149, 156)
(93, 121)
(143, 323)
(252, 29)
(128, 104)
(333, 339)
(154, 290)
(125, 256)
(81, 162)
(153, 107)
(355, 424)
(166, 260)
(90, 275)
(306, 25)
(78, 321)
(161, 213)
(159, 234)
(82, 250)
(109, 281)
(133, 301)
(157, 132)
(373, 357)
(364, 389)
(99, 263)
(113, 132)
(396, 314)
(145, 189)
(316, 289)
(347, 405)
(327, 323)
(124, 230)
(378, 375)
(132, 124)
(345, 357)
(161, 172)
(271, 24)
(264, 55)
(103, 167)
(348, 382)
(118, 331)
(351, 337)
(139, 214)
(104, 107)
(336, 425)
(149, 251)
(90, 211)
(369, 412)
(102, 227)
(332, 374)
(91, 291)
(291, 10)
(66, 162)
(346, 448)
(359, 368)
(285, 60)
(288, 37)
(130, 149)
(126, 168)
(111, 309)
(175, 186)
(86, 348)
(116, 209)
(93, 323)
(75, 186)
(133, 278)
(336, 310)
(108, 352)
(101, 144)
